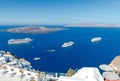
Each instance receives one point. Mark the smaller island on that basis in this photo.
(33, 30)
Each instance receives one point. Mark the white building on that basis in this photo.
(8, 73)
(14, 69)
(84, 74)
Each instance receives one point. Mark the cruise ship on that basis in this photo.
(67, 44)
(19, 41)
(96, 39)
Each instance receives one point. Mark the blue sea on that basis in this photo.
(82, 54)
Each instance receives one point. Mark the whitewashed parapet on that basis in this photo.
(16, 73)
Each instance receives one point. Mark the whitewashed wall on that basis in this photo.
(8, 73)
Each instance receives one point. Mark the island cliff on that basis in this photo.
(34, 30)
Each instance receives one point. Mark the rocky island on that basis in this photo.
(34, 30)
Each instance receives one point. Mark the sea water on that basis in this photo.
(83, 53)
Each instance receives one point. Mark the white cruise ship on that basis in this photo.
(19, 41)
(96, 39)
(67, 44)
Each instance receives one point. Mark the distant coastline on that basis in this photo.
(92, 25)
(33, 30)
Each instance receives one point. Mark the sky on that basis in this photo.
(59, 11)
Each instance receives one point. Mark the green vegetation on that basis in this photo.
(70, 72)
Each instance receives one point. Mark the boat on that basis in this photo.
(96, 39)
(37, 58)
(19, 41)
(67, 44)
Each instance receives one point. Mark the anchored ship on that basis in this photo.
(67, 44)
(96, 39)
(19, 41)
